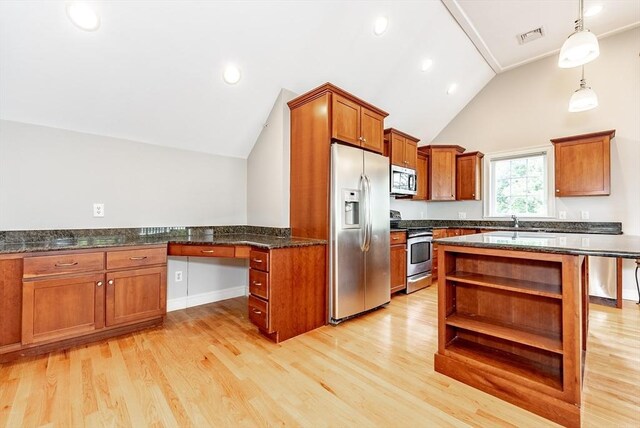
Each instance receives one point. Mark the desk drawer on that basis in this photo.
(259, 260)
(259, 283)
(207, 251)
(259, 313)
(62, 264)
(136, 258)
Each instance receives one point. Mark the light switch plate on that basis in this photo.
(584, 215)
(462, 215)
(179, 276)
(98, 209)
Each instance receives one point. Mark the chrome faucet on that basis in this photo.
(515, 220)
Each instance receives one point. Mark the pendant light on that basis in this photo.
(584, 98)
(582, 45)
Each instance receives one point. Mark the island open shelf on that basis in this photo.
(513, 324)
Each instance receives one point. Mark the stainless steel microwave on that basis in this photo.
(403, 181)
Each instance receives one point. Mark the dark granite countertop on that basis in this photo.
(606, 228)
(625, 246)
(48, 240)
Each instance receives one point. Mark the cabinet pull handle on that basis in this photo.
(138, 258)
(257, 283)
(66, 264)
(207, 251)
(99, 284)
(257, 260)
(110, 282)
(395, 238)
(256, 311)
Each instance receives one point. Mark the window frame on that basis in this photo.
(489, 182)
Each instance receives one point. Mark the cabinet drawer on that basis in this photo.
(259, 283)
(62, 264)
(136, 258)
(259, 260)
(208, 251)
(398, 238)
(259, 313)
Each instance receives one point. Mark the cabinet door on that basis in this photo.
(422, 179)
(443, 175)
(136, 295)
(411, 153)
(583, 167)
(372, 130)
(62, 308)
(345, 120)
(397, 150)
(466, 183)
(398, 268)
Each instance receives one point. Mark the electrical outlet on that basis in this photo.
(462, 215)
(562, 215)
(98, 209)
(584, 215)
(178, 276)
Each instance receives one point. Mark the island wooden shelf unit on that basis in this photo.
(514, 324)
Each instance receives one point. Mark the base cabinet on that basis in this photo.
(398, 261)
(135, 295)
(62, 308)
(288, 290)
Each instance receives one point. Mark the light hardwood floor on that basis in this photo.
(208, 366)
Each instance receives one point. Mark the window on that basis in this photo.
(519, 183)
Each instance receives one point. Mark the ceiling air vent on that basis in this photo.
(530, 35)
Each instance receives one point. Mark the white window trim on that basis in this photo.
(550, 180)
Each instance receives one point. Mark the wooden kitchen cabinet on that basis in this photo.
(356, 124)
(136, 295)
(62, 308)
(469, 176)
(288, 290)
(583, 164)
(398, 247)
(402, 148)
(10, 303)
(422, 178)
(441, 166)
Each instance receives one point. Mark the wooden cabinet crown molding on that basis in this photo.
(611, 133)
(331, 88)
(388, 131)
(428, 149)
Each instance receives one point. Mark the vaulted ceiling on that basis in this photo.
(153, 70)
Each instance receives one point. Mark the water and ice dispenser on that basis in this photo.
(351, 209)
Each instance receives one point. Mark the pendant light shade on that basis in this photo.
(581, 47)
(584, 98)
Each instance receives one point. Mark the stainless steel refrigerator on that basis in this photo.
(359, 242)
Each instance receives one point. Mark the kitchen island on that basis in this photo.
(513, 315)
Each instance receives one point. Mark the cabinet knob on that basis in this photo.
(110, 282)
(473, 194)
(99, 283)
(364, 140)
(557, 190)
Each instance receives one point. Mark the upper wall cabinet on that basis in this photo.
(402, 148)
(441, 167)
(583, 164)
(422, 178)
(355, 123)
(469, 176)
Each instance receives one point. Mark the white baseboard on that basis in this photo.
(204, 298)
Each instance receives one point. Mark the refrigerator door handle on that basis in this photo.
(369, 221)
(363, 227)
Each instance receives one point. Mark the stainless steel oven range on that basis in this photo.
(419, 253)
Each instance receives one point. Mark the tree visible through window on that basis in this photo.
(519, 186)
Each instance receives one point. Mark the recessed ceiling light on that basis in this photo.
(593, 10)
(83, 16)
(231, 74)
(452, 88)
(380, 25)
(426, 64)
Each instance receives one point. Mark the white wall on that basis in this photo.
(268, 168)
(50, 178)
(527, 106)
